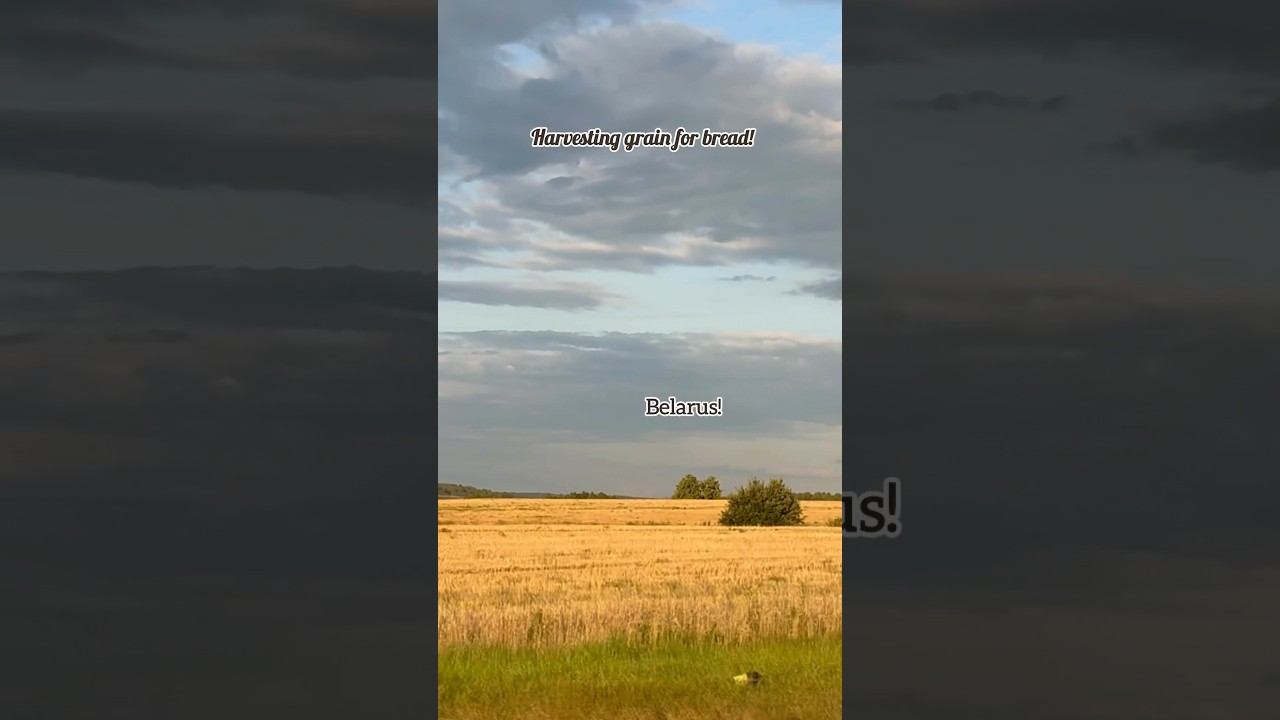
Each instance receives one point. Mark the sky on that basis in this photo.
(576, 282)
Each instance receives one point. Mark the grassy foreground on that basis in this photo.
(670, 680)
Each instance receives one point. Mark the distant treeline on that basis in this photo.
(466, 491)
(818, 496)
(454, 490)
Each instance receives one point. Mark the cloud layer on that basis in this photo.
(565, 410)
(1232, 33)
(588, 208)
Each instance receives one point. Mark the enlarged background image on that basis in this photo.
(1063, 338)
(217, 313)
(575, 282)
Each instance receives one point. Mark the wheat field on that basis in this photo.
(556, 511)
(554, 573)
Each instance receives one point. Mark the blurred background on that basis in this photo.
(217, 320)
(1061, 322)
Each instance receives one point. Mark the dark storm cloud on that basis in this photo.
(984, 99)
(386, 158)
(572, 297)
(1232, 33)
(1247, 138)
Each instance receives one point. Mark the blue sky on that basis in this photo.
(740, 298)
(794, 27)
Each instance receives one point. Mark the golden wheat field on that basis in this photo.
(555, 511)
(554, 573)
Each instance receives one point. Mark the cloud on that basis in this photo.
(984, 99)
(749, 278)
(387, 158)
(275, 109)
(1245, 138)
(322, 298)
(575, 208)
(830, 289)
(329, 39)
(571, 296)
(568, 408)
(1232, 34)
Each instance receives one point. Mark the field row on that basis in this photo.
(514, 511)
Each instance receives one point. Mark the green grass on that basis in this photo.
(669, 680)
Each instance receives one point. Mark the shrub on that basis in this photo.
(757, 503)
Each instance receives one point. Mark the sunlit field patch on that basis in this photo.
(561, 607)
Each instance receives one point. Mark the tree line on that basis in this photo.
(756, 503)
(691, 488)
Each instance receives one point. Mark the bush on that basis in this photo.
(757, 503)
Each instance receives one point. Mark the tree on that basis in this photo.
(688, 488)
(757, 503)
(710, 488)
(819, 496)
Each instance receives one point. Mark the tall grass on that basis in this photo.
(670, 680)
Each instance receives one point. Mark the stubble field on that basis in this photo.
(634, 609)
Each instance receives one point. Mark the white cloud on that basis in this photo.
(532, 409)
(569, 208)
